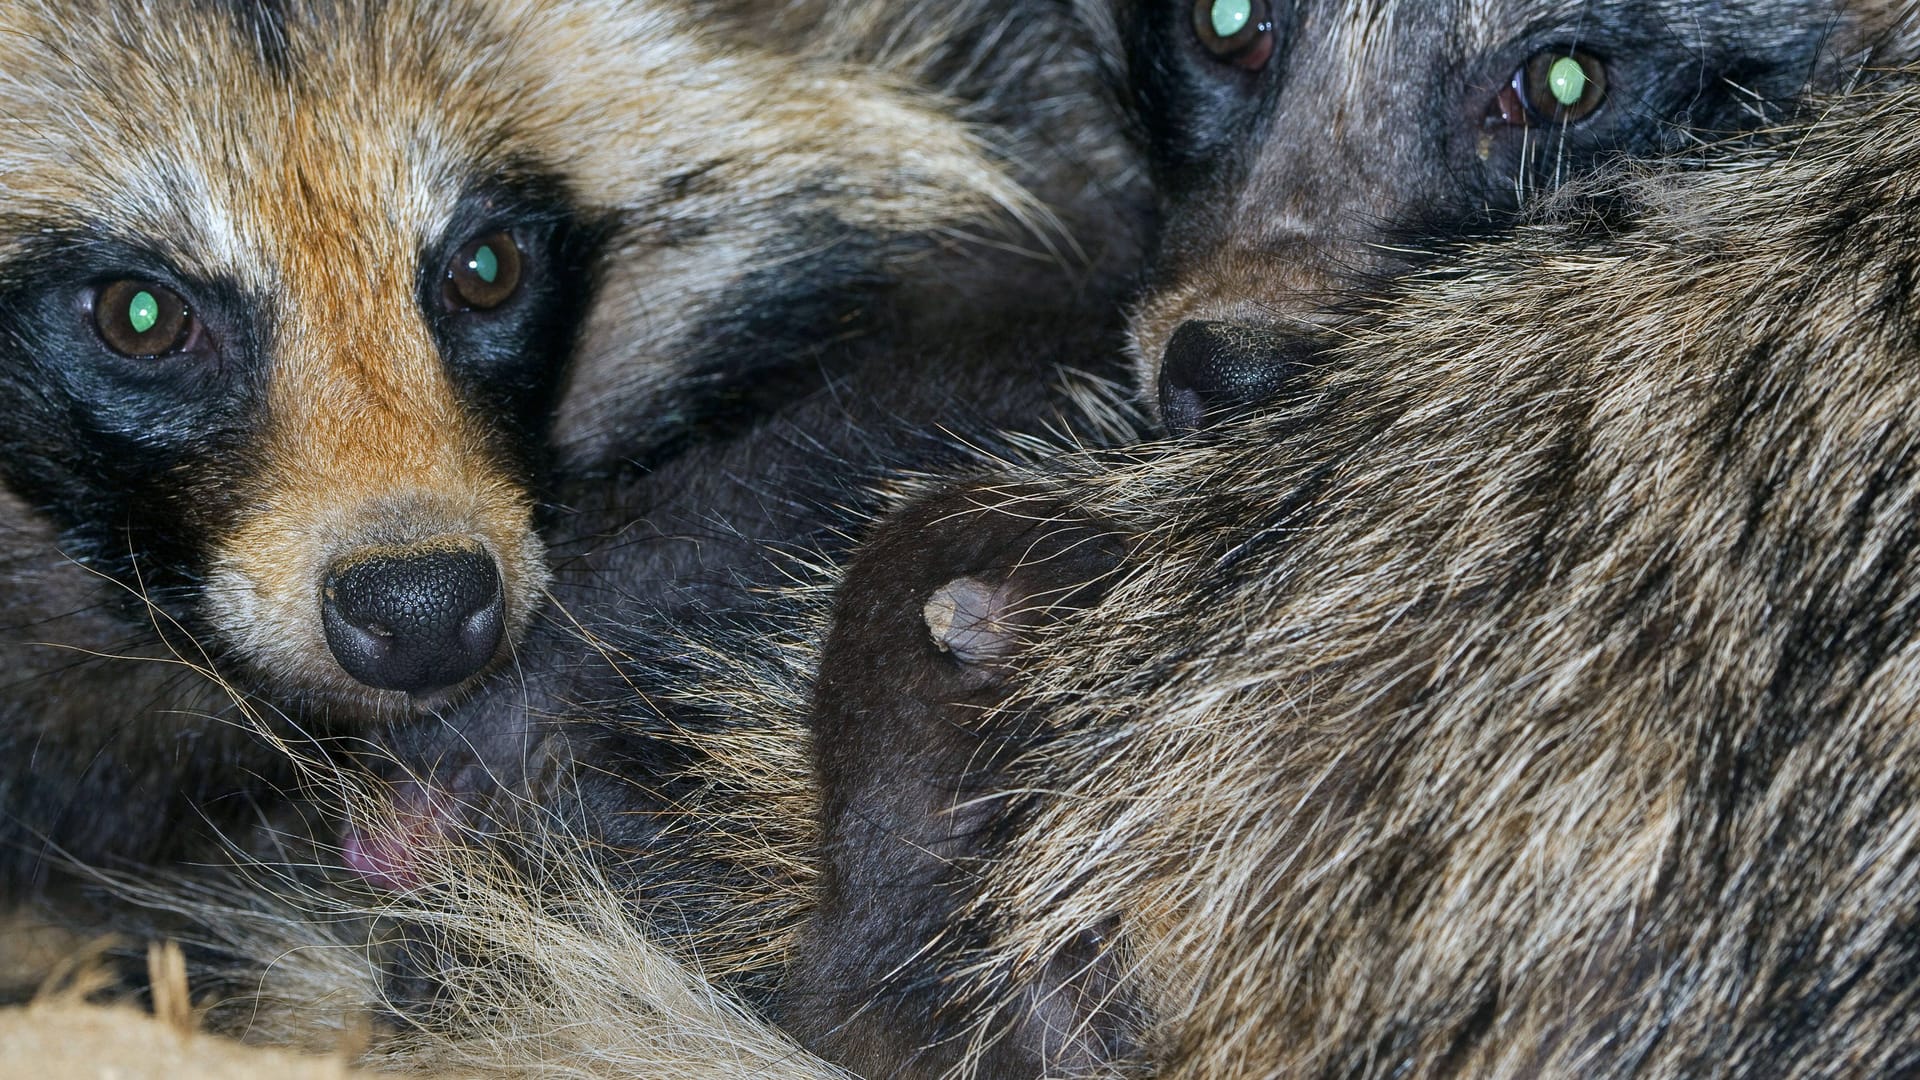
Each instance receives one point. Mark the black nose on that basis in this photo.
(413, 619)
(1213, 370)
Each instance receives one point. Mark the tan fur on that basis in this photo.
(85, 1042)
(544, 973)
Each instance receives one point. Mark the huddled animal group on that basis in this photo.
(1115, 538)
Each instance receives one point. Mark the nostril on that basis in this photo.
(1212, 370)
(417, 619)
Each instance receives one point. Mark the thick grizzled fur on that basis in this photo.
(1288, 182)
(592, 731)
(671, 752)
(595, 729)
(306, 184)
(1533, 695)
(906, 744)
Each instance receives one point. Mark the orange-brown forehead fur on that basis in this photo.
(311, 171)
(307, 171)
(359, 392)
(311, 161)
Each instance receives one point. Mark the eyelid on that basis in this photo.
(1521, 103)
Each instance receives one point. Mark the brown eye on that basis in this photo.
(484, 273)
(1561, 85)
(140, 318)
(1239, 32)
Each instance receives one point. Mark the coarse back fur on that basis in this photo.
(1533, 696)
(907, 751)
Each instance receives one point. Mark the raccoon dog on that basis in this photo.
(1528, 695)
(709, 417)
(621, 727)
(1293, 142)
(1532, 693)
(1248, 219)
(290, 297)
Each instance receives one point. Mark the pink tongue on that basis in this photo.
(390, 855)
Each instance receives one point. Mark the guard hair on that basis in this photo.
(1530, 693)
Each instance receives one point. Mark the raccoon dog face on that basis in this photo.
(287, 292)
(1289, 136)
(283, 310)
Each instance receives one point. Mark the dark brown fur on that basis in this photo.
(912, 716)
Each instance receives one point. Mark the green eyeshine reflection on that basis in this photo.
(1229, 16)
(143, 311)
(485, 264)
(1568, 80)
